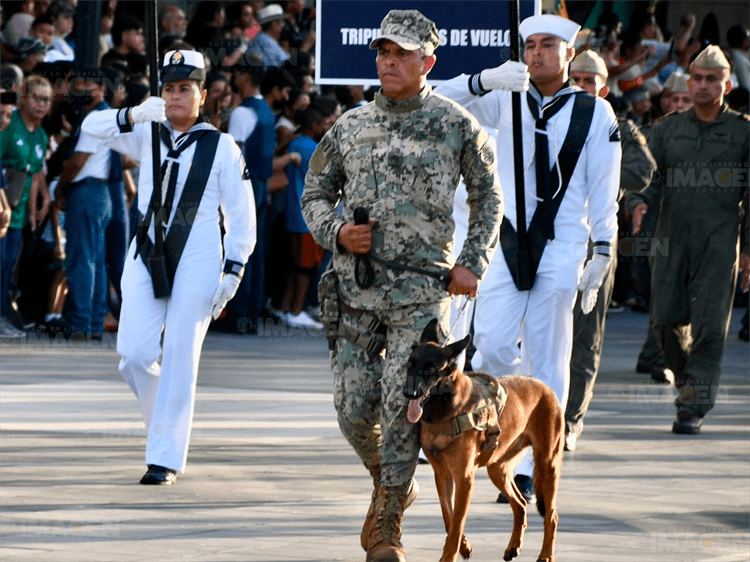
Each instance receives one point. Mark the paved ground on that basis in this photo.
(271, 479)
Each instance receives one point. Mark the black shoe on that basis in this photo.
(662, 375)
(744, 334)
(687, 423)
(159, 476)
(644, 366)
(525, 485)
(228, 325)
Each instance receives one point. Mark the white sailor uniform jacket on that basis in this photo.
(589, 206)
(228, 189)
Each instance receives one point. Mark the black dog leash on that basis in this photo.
(365, 279)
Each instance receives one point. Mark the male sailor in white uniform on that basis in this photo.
(571, 156)
(202, 172)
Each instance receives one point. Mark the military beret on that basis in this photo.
(711, 57)
(589, 61)
(679, 86)
(671, 81)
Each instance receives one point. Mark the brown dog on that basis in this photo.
(465, 425)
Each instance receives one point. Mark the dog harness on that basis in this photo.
(490, 397)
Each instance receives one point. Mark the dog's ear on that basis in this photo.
(430, 332)
(456, 348)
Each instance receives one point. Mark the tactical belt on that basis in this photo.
(480, 418)
(372, 339)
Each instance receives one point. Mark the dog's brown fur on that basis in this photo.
(532, 416)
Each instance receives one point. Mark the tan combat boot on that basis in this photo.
(411, 495)
(384, 542)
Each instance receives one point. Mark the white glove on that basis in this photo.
(153, 109)
(224, 293)
(511, 75)
(591, 280)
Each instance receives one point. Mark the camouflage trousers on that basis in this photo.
(368, 393)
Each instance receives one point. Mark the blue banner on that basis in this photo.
(474, 36)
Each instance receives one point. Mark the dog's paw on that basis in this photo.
(465, 548)
(510, 554)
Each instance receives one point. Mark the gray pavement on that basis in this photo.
(271, 479)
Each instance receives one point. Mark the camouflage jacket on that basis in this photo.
(402, 162)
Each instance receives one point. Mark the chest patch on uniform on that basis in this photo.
(318, 161)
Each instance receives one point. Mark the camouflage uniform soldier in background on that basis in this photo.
(702, 154)
(589, 72)
(399, 159)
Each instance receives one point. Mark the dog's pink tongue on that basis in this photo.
(414, 412)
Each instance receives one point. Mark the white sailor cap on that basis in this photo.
(183, 65)
(563, 28)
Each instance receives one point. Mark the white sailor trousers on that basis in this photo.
(540, 319)
(164, 376)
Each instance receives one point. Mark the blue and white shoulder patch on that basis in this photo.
(614, 133)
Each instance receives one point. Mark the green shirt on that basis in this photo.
(22, 150)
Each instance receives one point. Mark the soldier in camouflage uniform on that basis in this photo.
(589, 72)
(701, 186)
(400, 159)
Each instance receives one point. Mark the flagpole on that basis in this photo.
(524, 282)
(156, 263)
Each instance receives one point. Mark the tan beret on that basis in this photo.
(589, 61)
(711, 57)
(672, 80)
(679, 86)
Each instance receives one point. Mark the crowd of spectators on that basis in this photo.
(275, 44)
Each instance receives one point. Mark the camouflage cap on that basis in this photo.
(589, 61)
(711, 57)
(410, 30)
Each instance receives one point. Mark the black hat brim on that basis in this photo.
(175, 73)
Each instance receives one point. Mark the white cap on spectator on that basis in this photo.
(270, 13)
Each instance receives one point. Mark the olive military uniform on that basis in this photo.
(636, 169)
(701, 183)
